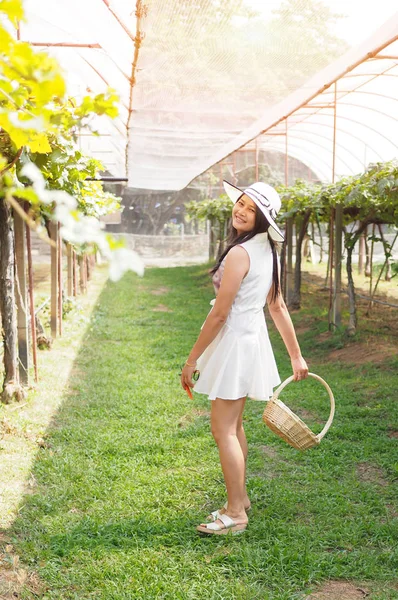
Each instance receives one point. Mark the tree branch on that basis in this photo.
(12, 163)
(30, 222)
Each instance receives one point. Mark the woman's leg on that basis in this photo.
(225, 418)
(243, 444)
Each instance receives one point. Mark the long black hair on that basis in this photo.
(261, 225)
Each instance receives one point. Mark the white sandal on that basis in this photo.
(229, 526)
(213, 516)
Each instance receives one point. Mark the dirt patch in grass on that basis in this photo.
(301, 329)
(269, 469)
(381, 319)
(273, 453)
(6, 428)
(325, 335)
(392, 511)
(13, 582)
(160, 291)
(393, 433)
(162, 308)
(305, 414)
(14, 579)
(370, 474)
(270, 452)
(339, 590)
(359, 352)
(192, 416)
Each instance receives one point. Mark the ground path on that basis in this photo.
(127, 468)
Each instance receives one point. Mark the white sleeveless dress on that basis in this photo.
(240, 362)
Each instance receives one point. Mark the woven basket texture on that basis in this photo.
(288, 426)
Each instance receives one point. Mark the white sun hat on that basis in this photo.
(266, 198)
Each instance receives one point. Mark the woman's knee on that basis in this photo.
(216, 432)
(220, 432)
(225, 416)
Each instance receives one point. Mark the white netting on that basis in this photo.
(366, 109)
(210, 76)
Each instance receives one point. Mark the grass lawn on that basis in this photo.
(128, 466)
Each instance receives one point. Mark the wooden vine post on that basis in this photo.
(69, 259)
(372, 243)
(21, 299)
(75, 276)
(289, 260)
(54, 279)
(330, 266)
(11, 388)
(295, 300)
(60, 282)
(32, 303)
(283, 269)
(85, 272)
(338, 251)
(361, 253)
(82, 274)
(89, 266)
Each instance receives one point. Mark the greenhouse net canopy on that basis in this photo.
(198, 79)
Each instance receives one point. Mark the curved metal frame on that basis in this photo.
(330, 88)
(348, 133)
(327, 149)
(299, 157)
(362, 141)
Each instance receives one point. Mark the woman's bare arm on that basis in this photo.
(237, 264)
(280, 315)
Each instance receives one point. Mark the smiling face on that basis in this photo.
(244, 214)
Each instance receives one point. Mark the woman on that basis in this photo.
(233, 351)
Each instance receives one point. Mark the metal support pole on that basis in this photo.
(289, 230)
(336, 313)
(21, 298)
(256, 159)
(286, 155)
(65, 45)
(234, 167)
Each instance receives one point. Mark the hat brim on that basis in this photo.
(234, 193)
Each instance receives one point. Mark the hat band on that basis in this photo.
(263, 200)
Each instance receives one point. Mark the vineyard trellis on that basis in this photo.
(367, 199)
(46, 184)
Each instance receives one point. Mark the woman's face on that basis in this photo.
(244, 214)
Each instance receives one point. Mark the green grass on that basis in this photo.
(130, 468)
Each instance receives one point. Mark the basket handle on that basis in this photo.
(331, 398)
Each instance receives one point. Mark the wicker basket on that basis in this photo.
(289, 426)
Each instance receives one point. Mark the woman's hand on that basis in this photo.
(186, 376)
(300, 368)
